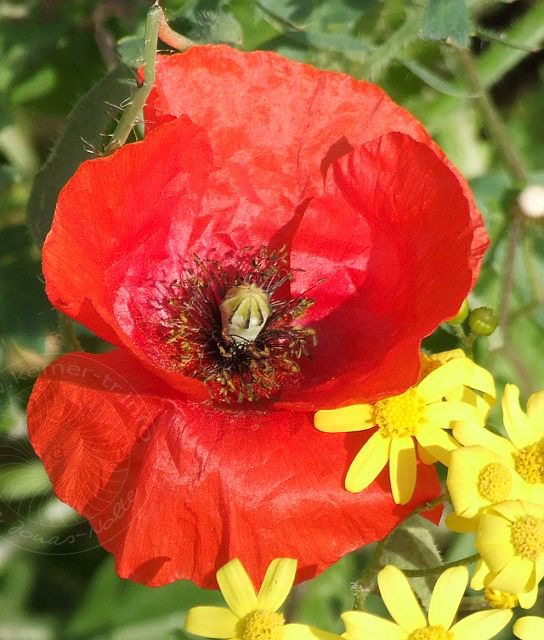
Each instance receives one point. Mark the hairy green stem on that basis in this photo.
(138, 100)
(431, 571)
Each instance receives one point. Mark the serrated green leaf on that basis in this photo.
(447, 20)
(131, 51)
(88, 121)
(412, 546)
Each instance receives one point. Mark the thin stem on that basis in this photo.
(430, 571)
(170, 37)
(526, 309)
(467, 342)
(528, 255)
(508, 277)
(366, 582)
(492, 117)
(500, 136)
(133, 110)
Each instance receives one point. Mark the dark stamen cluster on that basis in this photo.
(237, 371)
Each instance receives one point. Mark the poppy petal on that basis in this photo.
(310, 117)
(112, 206)
(132, 455)
(391, 193)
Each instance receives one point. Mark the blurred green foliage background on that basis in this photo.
(55, 581)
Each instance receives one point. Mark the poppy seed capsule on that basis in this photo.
(244, 312)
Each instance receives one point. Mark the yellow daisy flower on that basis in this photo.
(410, 621)
(420, 413)
(510, 541)
(478, 478)
(251, 615)
(525, 446)
(483, 401)
(529, 628)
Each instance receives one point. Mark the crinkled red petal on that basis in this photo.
(175, 489)
(304, 115)
(397, 198)
(112, 207)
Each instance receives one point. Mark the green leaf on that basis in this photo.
(89, 120)
(131, 51)
(412, 546)
(447, 20)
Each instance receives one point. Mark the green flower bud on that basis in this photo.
(461, 315)
(483, 321)
(244, 312)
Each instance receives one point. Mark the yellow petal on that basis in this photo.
(437, 442)
(459, 524)
(441, 414)
(512, 509)
(424, 455)
(237, 588)
(539, 568)
(480, 574)
(529, 628)
(368, 463)
(464, 394)
(469, 435)
(357, 417)
(400, 599)
(535, 413)
(277, 583)
(528, 600)
(305, 632)
(464, 471)
(494, 527)
(445, 379)
(211, 622)
(514, 577)
(482, 625)
(481, 380)
(361, 625)
(517, 424)
(446, 596)
(402, 469)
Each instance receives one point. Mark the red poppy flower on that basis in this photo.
(280, 242)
